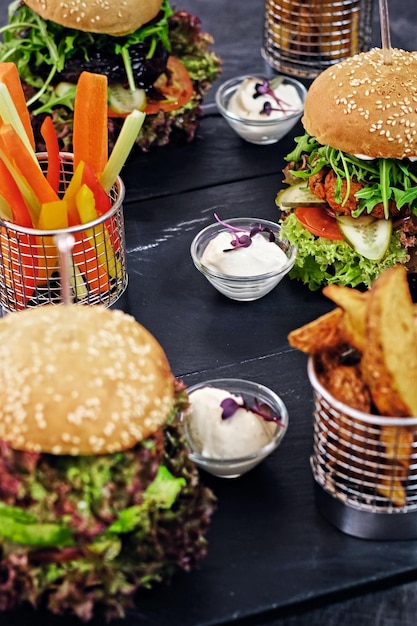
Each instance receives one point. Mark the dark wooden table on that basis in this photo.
(273, 560)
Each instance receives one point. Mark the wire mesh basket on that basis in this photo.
(303, 37)
(29, 260)
(364, 467)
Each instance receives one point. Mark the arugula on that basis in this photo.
(384, 179)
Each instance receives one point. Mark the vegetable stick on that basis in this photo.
(99, 234)
(12, 144)
(71, 193)
(18, 256)
(32, 203)
(90, 134)
(124, 144)
(93, 267)
(77, 282)
(11, 192)
(102, 200)
(9, 76)
(53, 216)
(89, 265)
(48, 133)
(6, 212)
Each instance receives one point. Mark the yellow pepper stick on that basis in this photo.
(71, 193)
(98, 235)
(53, 217)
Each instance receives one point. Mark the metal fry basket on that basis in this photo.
(29, 267)
(304, 37)
(364, 468)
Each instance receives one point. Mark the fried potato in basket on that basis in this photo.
(354, 304)
(389, 361)
(365, 355)
(323, 333)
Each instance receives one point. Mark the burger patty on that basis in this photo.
(324, 184)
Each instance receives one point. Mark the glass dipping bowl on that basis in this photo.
(249, 390)
(242, 288)
(265, 131)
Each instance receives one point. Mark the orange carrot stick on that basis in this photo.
(28, 168)
(9, 75)
(52, 148)
(18, 255)
(90, 133)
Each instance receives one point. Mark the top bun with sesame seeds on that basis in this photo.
(80, 380)
(112, 17)
(365, 106)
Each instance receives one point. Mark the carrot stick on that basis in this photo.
(9, 76)
(18, 256)
(48, 133)
(14, 146)
(31, 201)
(10, 191)
(90, 134)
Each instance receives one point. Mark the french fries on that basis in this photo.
(365, 355)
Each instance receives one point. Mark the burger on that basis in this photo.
(351, 203)
(155, 59)
(98, 498)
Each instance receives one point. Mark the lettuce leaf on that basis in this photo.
(323, 261)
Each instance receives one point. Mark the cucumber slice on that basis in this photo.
(298, 195)
(123, 100)
(368, 236)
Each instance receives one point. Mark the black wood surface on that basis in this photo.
(273, 560)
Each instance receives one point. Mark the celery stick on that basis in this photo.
(124, 143)
(9, 115)
(6, 212)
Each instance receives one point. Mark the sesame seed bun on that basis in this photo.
(112, 17)
(80, 380)
(363, 106)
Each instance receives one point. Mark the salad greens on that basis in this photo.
(324, 261)
(80, 535)
(30, 41)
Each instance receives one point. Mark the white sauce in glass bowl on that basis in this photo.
(239, 435)
(261, 257)
(244, 104)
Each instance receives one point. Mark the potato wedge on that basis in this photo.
(322, 333)
(354, 304)
(389, 361)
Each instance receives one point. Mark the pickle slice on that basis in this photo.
(368, 236)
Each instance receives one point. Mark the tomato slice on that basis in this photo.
(318, 222)
(177, 91)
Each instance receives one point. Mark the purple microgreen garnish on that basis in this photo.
(230, 406)
(264, 89)
(244, 240)
(263, 229)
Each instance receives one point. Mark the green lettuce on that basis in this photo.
(323, 261)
